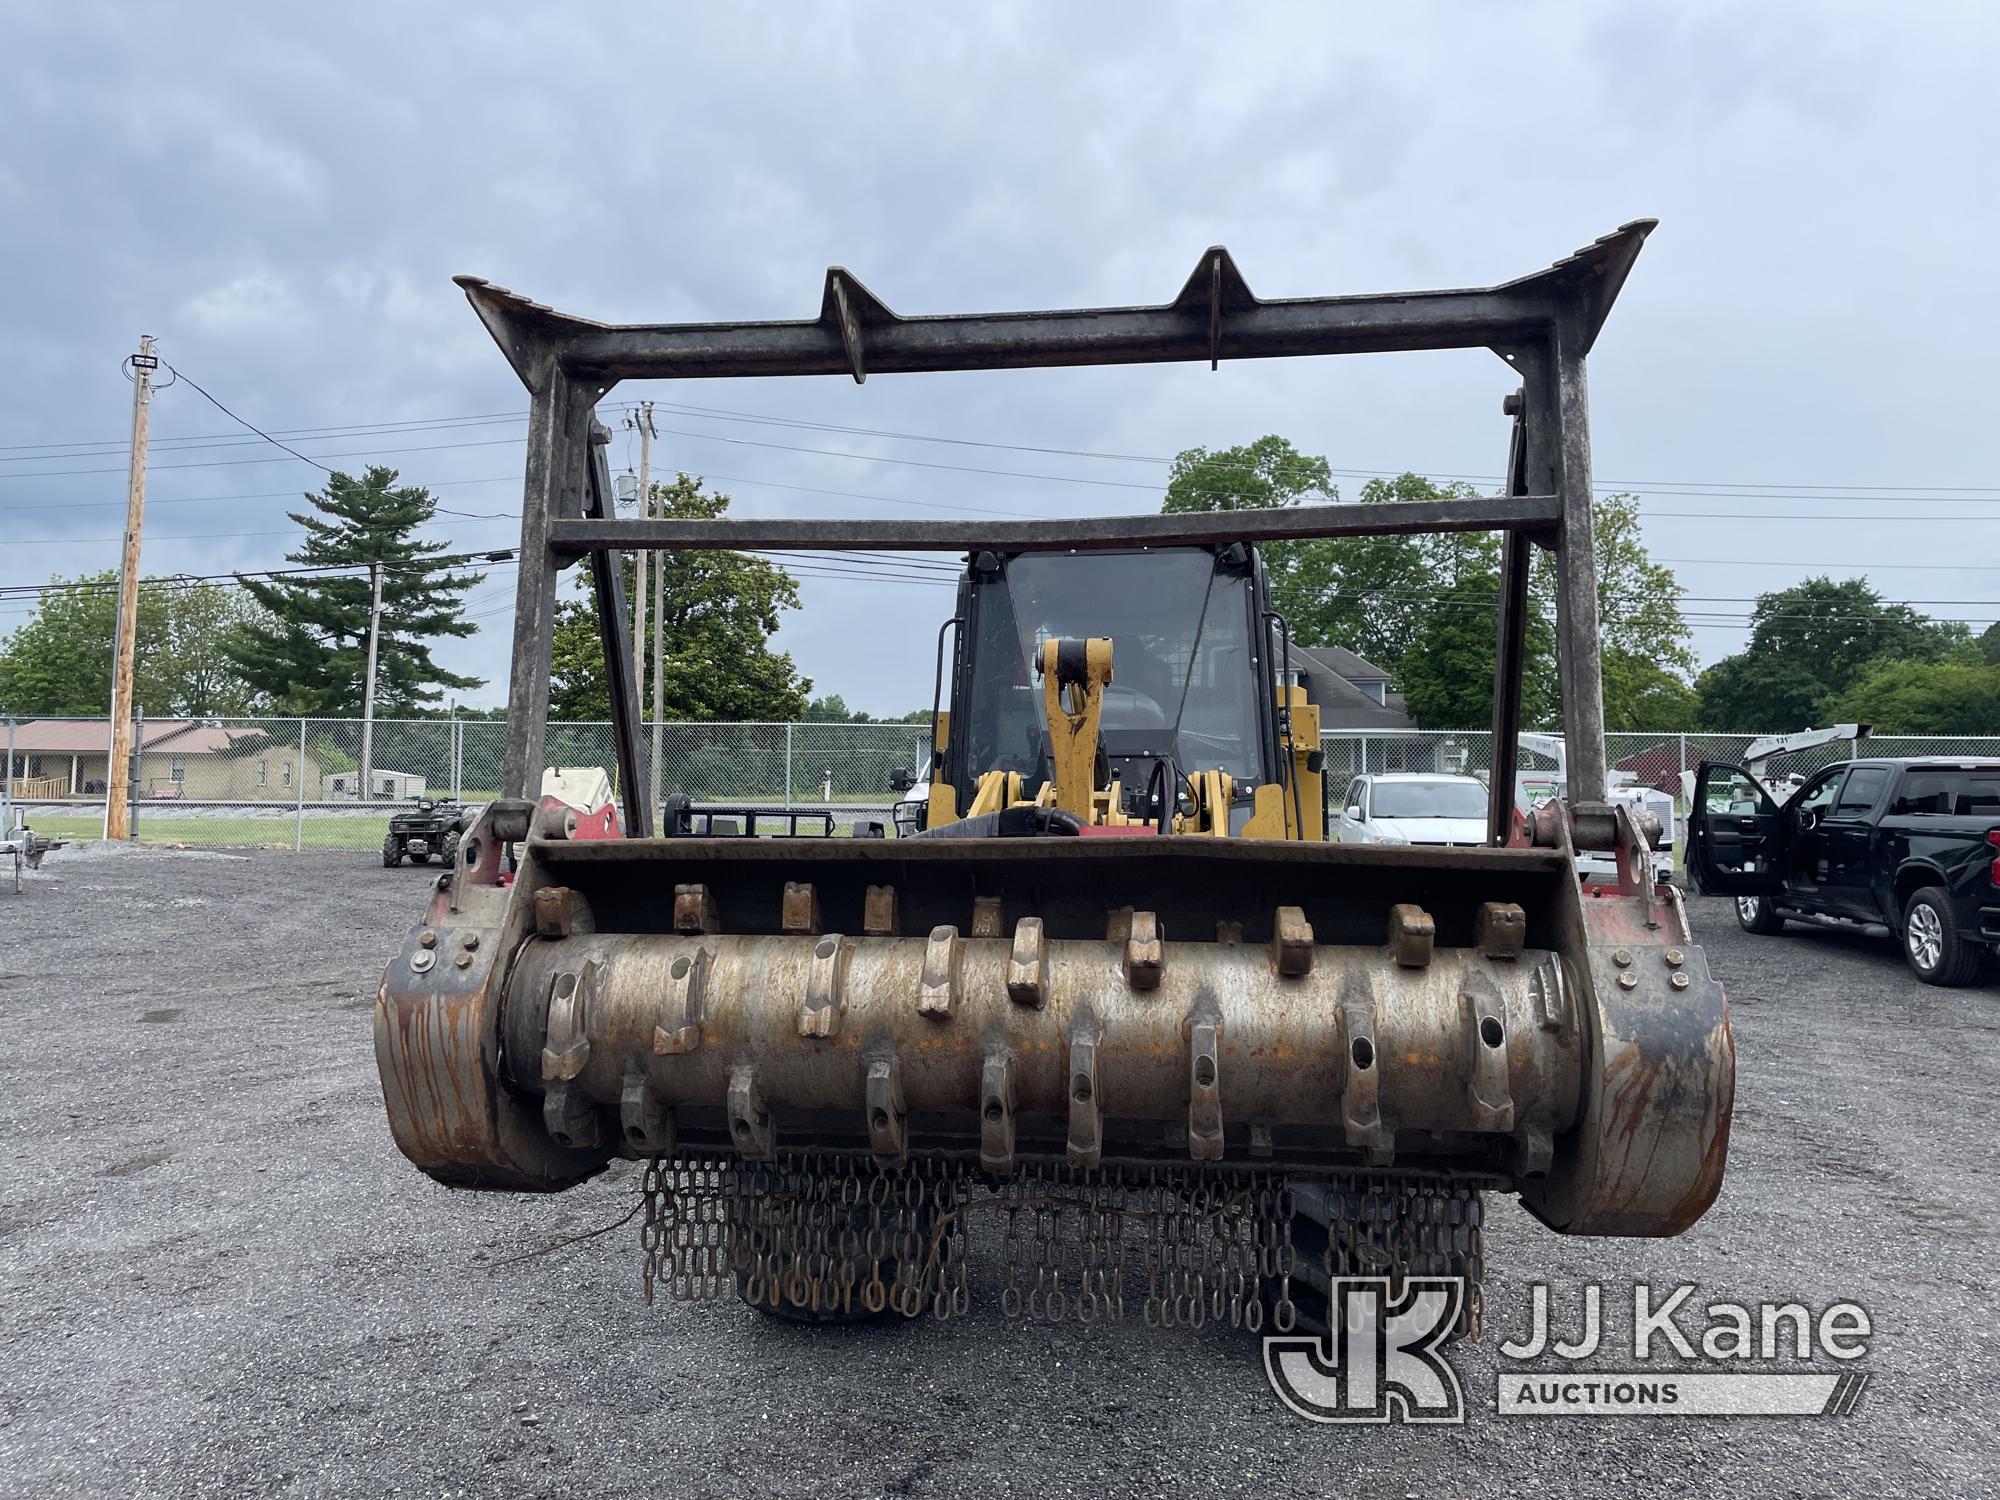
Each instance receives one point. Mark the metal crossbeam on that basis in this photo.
(1214, 317)
(1496, 513)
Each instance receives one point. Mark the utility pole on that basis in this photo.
(659, 666)
(117, 803)
(368, 691)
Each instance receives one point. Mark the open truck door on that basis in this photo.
(1736, 834)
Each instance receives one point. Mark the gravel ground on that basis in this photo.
(220, 1277)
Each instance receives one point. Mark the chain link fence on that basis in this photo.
(1650, 759)
(297, 783)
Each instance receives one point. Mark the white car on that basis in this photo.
(913, 798)
(1411, 807)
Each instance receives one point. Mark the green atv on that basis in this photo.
(434, 826)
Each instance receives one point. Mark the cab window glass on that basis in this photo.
(1926, 794)
(1946, 794)
(1818, 796)
(1980, 797)
(1733, 792)
(1862, 791)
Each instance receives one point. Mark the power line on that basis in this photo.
(1817, 490)
(345, 429)
(241, 422)
(230, 463)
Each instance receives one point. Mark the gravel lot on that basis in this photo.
(220, 1277)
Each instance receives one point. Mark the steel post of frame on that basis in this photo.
(559, 417)
(1576, 575)
(1543, 323)
(1510, 649)
(1507, 667)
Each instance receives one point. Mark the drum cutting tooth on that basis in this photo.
(695, 911)
(1028, 965)
(944, 963)
(1412, 935)
(1500, 930)
(1292, 943)
(679, 1028)
(749, 1119)
(799, 911)
(1204, 1032)
(996, 1112)
(1483, 1054)
(560, 911)
(1360, 1094)
(1145, 951)
(826, 987)
(648, 1123)
(888, 1133)
(878, 911)
(986, 917)
(1086, 1118)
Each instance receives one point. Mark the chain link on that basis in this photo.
(831, 1235)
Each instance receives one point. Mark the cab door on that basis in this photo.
(1736, 834)
(1848, 830)
(1352, 826)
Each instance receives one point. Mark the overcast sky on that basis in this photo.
(282, 195)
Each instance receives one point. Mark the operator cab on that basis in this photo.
(1191, 686)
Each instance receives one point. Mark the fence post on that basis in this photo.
(788, 766)
(457, 756)
(132, 772)
(299, 786)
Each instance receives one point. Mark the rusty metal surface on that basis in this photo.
(437, 1045)
(1648, 1154)
(1214, 317)
(1531, 513)
(1220, 1028)
(807, 853)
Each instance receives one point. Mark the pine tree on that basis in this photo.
(310, 657)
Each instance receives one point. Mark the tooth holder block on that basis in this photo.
(1592, 1074)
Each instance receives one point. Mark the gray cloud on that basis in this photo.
(283, 196)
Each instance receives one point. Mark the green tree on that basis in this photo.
(59, 661)
(1989, 644)
(1423, 607)
(193, 666)
(1644, 643)
(833, 709)
(308, 654)
(1374, 594)
(1903, 696)
(722, 608)
(1256, 476)
(1808, 645)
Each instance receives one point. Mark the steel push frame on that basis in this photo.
(1543, 325)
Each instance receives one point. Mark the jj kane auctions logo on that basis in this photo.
(1382, 1357)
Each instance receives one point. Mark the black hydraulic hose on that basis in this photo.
(937, 689)
(1281, 721)
(1168, 779)
(1009, 823)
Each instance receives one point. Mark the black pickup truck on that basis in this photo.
(1913, 845)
